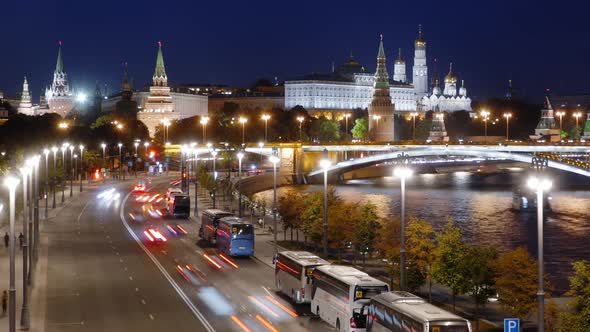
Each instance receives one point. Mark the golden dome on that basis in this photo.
(420, 42)
(451, 78)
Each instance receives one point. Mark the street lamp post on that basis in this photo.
(300, 119)
(325, 164)
(560, 114)
(240, 155)
(46, 189)
(63, 168)
(196, 181)
(54, 150)
(214, 154)
(204, 120)
(120, 145)
(82, 172)
(414, 115)
(11, 183)
(274, 159)
(540, 185)
(34, 240)
(485, 116)
(577, 115)
(265, 117)
(243, 121)
(346, 116)
(145, 145)
(403, 172)
(507, 116)
(72, 172)
(24, 322)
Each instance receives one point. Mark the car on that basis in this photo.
(139, 188)
(154, 235)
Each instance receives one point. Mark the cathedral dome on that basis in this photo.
(451, 77)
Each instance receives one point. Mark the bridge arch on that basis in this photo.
(350, 165)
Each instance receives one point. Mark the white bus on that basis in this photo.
(341, 293)
(406, 312)
(293, 271)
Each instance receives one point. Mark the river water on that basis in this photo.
(481, 204)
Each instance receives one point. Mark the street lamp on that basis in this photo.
(136, 144)
(240, 155)
(104, 146)
(560, 114)
(274, 159)
(120, 145)
(243, 121)
(11, 183)
(214, 154)
(325, 163)
(485, 115)
(166, 124)
(414, 115)
(300, 119)
(540, 185)
(265, 117)
(54, 150)
(403, 172)
(72, 172)
(196, 150)
(24, 322)
(577, 115)
(204, 120)
(507, 116)
(46, 189)
(82, 172)
(346, 116)
(63, 125)
(145, 145)
(63, 168)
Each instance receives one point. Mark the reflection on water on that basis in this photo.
(481, 206)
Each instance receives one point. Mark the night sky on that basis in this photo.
(538, 45)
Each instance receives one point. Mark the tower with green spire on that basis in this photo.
(159, 105)
(58, 96)
(160, 78)
(381, 110)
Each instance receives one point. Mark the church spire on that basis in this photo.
(59, 66)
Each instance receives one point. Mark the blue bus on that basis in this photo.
(235, 237)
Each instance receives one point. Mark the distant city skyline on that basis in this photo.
(237, 43)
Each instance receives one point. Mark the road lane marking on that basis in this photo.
(165, 273)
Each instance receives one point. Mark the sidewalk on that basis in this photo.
(37, 291)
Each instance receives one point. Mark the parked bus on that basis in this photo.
(403, 311)
(209, 222)
(235, 236)
(293, 270)
(341, 293)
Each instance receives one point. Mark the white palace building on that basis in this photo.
(351, 86)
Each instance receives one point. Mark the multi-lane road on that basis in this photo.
(104, 274)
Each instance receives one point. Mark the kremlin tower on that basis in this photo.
(58, 96)
(25, 106)
(381, 110)
(159, 105)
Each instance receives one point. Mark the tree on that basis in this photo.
(360, 130)
(388, 245)
(516, 282)
(420, 248)
(449, 268)
(290, 205)
(577, 319)
(325, 130)
(365, 230)
(479, 275)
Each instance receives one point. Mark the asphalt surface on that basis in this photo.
(98, 279)
(105, 275)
